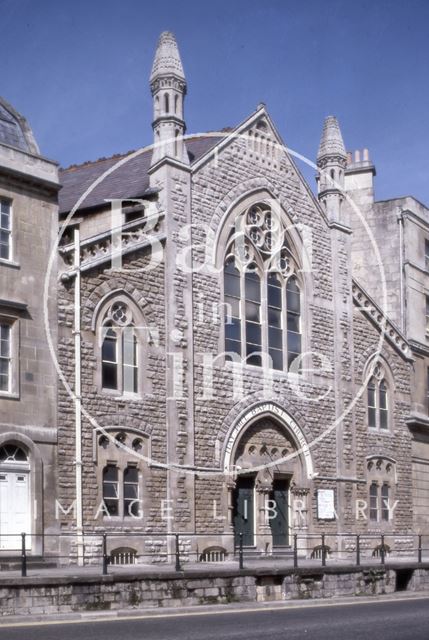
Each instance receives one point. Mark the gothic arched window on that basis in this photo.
(119, 347)
(121, 459)
(252, 293)
(383, 408)
(378, 399)
(372, 404)
(262, 294)
(382, 479)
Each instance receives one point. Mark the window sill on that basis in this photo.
(9, 396)
(378, 528)
(124, 520)
(380, 432)
(129, 397)
(10, 263)
(119, 397)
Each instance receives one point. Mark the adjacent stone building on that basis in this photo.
(28, 387)
(397, 275)
(233, 360)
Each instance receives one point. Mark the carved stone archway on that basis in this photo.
(267, 460)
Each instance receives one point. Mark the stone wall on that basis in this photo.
(41, 596)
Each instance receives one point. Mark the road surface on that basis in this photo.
(406, 619)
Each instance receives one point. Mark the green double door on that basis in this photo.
(279, 523)
(244, 511)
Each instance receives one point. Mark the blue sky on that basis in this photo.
(79, 72)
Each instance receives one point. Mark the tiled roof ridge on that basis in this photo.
(86, 163)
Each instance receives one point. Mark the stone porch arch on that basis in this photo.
(265, 454)
(272, 411)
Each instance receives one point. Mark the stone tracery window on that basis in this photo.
(378, 399)
(119, 349)
(382, 481)
(121, 474)
(262, 293)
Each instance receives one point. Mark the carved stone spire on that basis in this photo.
(331, 162)
(331, 142)
(168, 87)
(167, 58)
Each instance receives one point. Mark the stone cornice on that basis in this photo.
(381, 321)
(419, 347)
(417, 422)
(169, 118)
(354, 168)
(417, 267)
(340, 227)
(13, 304)
(328, 158)
(171, 161)
(35, 182)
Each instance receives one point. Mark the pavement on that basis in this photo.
(252, 566)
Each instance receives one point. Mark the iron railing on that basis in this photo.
(180, 548)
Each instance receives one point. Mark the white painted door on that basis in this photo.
(14, 509)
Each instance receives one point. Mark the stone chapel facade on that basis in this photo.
(229, 357)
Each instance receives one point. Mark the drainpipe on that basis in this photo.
(401, 268)
(78, 401)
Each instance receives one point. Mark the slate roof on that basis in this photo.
(131, 180)
(14, 129)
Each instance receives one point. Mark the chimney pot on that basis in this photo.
(357, 155)
(366, 155)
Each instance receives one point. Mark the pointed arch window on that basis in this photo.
(293, 306)
(378, 400)
(275, 320)
(232, 291)
(119, 350)
(382, 395)
(372, 404)
(252, 287)
(262, 295)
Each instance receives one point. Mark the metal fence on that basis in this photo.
(177, 549)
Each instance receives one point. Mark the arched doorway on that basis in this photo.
(15, 510)
(267, 460)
